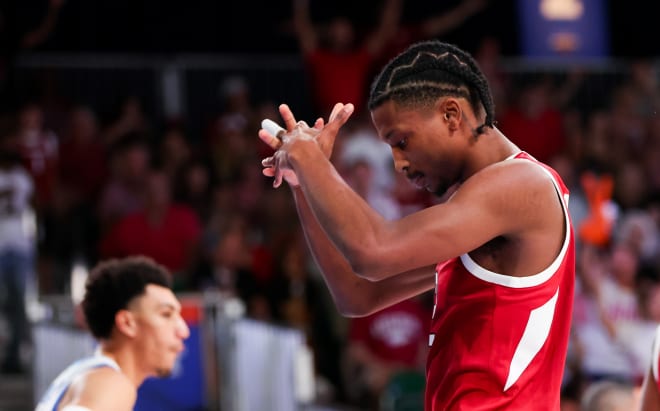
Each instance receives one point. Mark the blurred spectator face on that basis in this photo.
(566, 169)
(135, 162)
(624, 263)
(341, 34)
(360, 177)
(231, 250)
(489, 50)
(643, 75)
(630, 185)
(223, 198)
(236, 93)
(230, 134)
(638, 230)
(175, 147)
(250, 190)
(158, 191)
(197, 179)
(83, 124)
(31, 118)
(533, 100)
(596, 144)
(132, 108)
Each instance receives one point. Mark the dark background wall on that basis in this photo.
(263, 25)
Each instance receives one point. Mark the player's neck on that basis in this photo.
(127, 360)
(488, 148)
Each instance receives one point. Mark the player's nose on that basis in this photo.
(182, 330)
(400, 161)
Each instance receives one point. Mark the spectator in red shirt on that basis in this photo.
(338, 64)
(72, 228)
(533, 122)
(384, 343)
(83, 167)
(129, 160)
(167, 232)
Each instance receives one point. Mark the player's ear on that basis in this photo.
(450, 109)
(125, 323)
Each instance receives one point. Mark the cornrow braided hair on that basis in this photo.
(431, 69)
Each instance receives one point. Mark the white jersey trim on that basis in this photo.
(533, 280)
(62, 382)
(535, 335)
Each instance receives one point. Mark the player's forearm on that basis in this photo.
(346, 218)
(347, 289)
(353, 295)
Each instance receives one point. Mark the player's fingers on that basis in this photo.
(340, 118)
(335, 110)
(287, 116)
(268, 162)
(268, 172)
(272, 141)
(319, 123)
(278, 179)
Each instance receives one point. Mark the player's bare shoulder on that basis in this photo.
(519, 188)
(103, 389)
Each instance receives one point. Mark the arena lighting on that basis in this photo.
(561, 9)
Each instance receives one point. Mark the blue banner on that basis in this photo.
(563, 28)
(184, 390)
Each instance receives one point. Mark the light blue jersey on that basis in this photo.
(51, 399)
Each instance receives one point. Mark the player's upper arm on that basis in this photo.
(507, 199)
(104, 389)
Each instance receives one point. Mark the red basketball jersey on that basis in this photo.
(499, 342)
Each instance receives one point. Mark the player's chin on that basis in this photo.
(164, 372)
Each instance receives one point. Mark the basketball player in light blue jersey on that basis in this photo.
(131, 310)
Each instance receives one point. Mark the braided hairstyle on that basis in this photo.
(431, 69)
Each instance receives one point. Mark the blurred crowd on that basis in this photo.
(77, 187)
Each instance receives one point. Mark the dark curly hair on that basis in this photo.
(112, 284)
(431, 69)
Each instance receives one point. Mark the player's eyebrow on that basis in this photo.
(172, 306)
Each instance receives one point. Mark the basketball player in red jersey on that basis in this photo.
(650, 392)
(499, 251)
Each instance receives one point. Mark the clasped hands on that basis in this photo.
(323, 134)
